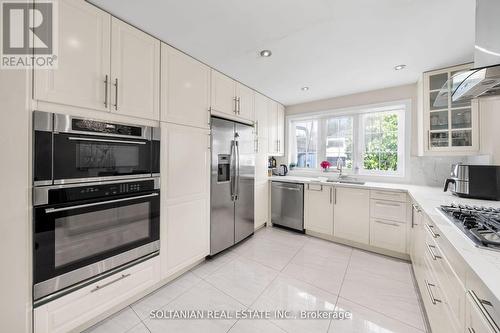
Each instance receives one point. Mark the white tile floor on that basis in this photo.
(281, 270)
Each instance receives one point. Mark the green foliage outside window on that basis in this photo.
(381, 142)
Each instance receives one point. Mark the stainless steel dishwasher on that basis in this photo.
(287, 205)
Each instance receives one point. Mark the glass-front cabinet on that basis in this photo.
(449, 127)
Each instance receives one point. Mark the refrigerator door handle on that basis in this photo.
(232, 170)
(237, 179)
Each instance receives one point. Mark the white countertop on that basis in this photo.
(485, 263)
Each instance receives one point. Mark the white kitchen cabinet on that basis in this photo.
(387, 234)
(446, 127)
(75, 309)
(185, 89)
(475, 319)
(318, 208)
(185, 215)
(246, 102)
(83, 60)
(261, 200)
(352, 214)
(223, 92)
(276, 128)
(261, 138)
(280, 128)
(388, 210)
(135, 72)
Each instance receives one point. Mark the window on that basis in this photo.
(364, 141)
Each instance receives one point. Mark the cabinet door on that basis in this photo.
(272, 123)
(223, 94)
(185, 200)
(135, 72)
(352, 214)
(280, 129)
(261, 114)
(318, 208)
(261, 160)
(261, 204)
(185, 89)
(246, 102)
(83, 62)
(417, 239)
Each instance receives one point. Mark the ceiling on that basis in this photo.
(335, 47)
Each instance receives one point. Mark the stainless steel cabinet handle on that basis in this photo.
(209, 117)
(287, 188)
(55, 210)
(429, 228)
(74, 138)
(116, 94)
(331, 194)
(335, 197)
(428, 286)
(106, 83)
(387, 223)
(433, 255)
(237, 170)
(238, 103)
(257, 128)
(235, 106)
(414, 208)
(209, 141)
(480, 303)
(471, 330)
(110, 283)
(232, 170)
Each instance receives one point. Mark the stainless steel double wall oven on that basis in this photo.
(96, 200)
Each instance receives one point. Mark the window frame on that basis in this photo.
(402, 107)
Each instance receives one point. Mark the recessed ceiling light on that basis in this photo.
(399, 67)
(265, 53)
(304, 88)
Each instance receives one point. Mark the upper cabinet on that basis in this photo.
(446, 127)
(276, 126)
(135, 72)
(185, 89)
(231, 98)
(104, 64)
(83, 74)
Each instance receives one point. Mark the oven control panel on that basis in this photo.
(99, 191)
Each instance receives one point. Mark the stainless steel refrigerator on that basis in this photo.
(232, 184)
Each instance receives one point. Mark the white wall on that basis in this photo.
(15, 171)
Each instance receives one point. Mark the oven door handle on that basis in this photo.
(55, 210)
(74, 138)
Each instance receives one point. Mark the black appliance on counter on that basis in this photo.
(475, 181)
(96, 200)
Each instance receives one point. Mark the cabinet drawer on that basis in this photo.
(388, 210)
(388, 195)
(77, 308)
(388, 235)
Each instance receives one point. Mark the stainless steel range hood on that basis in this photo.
(484, 79)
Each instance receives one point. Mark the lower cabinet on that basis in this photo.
(475, 320)
(69, 312)
(318, 208)
(389, 235)
(352, 214)
(261, 204)
(185, 209)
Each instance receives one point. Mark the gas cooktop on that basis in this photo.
(480, 224)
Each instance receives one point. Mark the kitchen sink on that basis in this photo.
(346, 181)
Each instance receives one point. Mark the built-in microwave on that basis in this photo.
(70, 149)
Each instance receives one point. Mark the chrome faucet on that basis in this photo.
(340, 164)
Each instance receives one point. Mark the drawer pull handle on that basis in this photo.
(388, 223)
(110, 282)
(312, 189)
(471, 330)
(480, 303)
(431, 295)
(433, 255)
(429, 228)
(381, 203)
